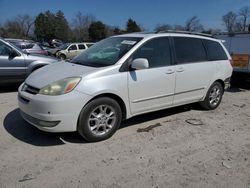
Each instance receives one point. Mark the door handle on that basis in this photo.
(170, 71)
(180, 69)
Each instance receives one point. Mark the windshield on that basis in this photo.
(63, 46)
(106, 52)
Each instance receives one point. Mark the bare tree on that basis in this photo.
(193, 24)
(26, 23)
(179, 28)
(163, 27)
(229, 20)
(244, 14)
(81, 24)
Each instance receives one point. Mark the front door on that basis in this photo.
(72, 51)
(11, 68)
(153, 88)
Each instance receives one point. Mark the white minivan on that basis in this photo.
(124, 76)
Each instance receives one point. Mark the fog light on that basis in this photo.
(48, 123)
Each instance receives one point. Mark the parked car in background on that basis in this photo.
(70, 50)
(56, 43)
(16, 65)
(238, 45)
(124, 76)
(28, 46)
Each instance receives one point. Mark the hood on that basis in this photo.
(37, 57)
(57, 71)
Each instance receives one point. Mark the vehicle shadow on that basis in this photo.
(23, 131)
(241, 87)
(20, 129)
(11, 87)
(158, 114)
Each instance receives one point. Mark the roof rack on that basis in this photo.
(186, 32)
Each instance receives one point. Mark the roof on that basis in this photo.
(239, 43)
(169, 33)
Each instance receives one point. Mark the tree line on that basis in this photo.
(85, 27)
(48, 25)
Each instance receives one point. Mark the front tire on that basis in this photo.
(213, 97)
(99, 119)
(62, 56)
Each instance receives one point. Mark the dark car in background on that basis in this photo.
(28, 46)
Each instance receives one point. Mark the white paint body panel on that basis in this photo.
(141, 91)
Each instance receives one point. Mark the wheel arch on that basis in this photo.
(221, 82)
(115, 97)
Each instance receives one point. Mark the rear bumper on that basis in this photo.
(227, 83)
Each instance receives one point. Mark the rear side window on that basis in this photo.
(81, 46)
(156, 51)
(189, 50)
(215, 51)
(29, 45)
(89, 45)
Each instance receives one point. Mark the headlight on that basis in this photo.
(60, 87)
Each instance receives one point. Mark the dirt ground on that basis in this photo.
(160, 149)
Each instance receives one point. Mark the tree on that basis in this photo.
(80, 25)
(117, 31)
(61, 26)
(244, 14)
(229, 20)
(193, 24)
(132, 26)
(18, 27)
(26, 24)
(13, 29)
(97, 31)
(163, 27)
(44, 26)
(179, 28)
(49, 26)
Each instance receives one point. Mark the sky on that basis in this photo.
(147, 13)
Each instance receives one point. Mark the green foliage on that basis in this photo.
(97, 31)
(49, 26)
(132, 26)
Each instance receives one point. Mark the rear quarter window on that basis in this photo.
(215, 51)
(81, 46)
(189, 50)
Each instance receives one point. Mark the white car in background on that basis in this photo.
(123, 76)
(69, 51)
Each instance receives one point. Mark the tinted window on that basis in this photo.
(17, 44)
(4, 49)
(189, 50)
(88, 45)
(215, 51)
(29, 45)
(81, 46)
(73, 47)
(156, 51)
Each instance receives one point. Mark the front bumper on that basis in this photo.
(52, 113)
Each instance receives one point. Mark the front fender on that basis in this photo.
(34, 65)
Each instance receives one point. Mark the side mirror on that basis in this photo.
(140, 63)
(12, 53)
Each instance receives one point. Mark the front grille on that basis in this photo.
(29, 89)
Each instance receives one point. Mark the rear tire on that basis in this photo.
(213, 97)
(99, 119)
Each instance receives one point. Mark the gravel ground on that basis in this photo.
(160, 149)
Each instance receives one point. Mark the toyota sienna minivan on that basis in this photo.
(124, 76)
